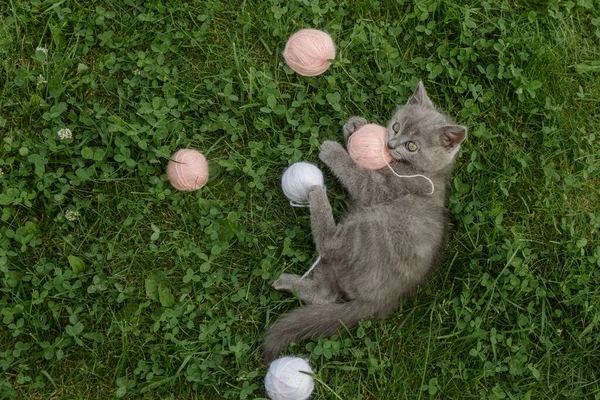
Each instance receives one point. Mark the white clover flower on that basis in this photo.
(41, 80)
(71, 215)
(64, 134)
(42, 49)
(1, 172)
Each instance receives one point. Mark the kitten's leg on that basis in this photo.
(310, 291)
(321, 218)
(352, 125)
(317, 290)
(347, 171)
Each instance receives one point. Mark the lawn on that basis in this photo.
(113, 284)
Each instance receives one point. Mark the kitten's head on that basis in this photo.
(422, 136)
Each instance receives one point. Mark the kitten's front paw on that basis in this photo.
(330, 150)
(352, 125)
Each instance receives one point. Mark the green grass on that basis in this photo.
(152, 293)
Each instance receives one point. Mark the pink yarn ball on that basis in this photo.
(308, 52)
(187, 170)
(367, 147)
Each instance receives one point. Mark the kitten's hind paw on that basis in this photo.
(352, 125)
(285, 282)
(313, 190)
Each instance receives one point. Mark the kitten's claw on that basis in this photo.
(352, 125)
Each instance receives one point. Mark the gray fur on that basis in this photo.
(391, 237)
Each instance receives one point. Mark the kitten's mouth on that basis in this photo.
(396, 155)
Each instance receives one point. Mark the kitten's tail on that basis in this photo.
(308, 321)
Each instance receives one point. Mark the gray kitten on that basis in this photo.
(392, 235)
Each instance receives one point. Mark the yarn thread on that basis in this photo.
(187, 170)
(288, 379)
(367, 145)
(410, 176)
(308, 52)
(297, 179)
(368, 150)
(311, 267)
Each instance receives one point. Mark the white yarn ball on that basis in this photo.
(298, 178)
(284, 381)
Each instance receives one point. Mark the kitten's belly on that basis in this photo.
(403, 244)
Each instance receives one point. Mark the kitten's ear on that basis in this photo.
(419, 97)
(452, 135)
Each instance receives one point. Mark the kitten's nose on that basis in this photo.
(390, 145)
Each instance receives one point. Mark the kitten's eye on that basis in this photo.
(411, 146)
(396, 127)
